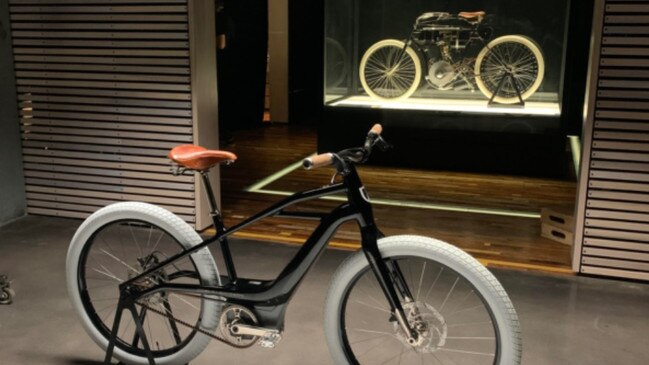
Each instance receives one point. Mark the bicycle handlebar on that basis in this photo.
(328, 159)
(376, 129)
(323, 160)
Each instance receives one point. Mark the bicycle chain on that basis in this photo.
(180, 321)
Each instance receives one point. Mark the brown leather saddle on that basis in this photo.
(199, 158)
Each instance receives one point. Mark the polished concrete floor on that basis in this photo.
(565, 319)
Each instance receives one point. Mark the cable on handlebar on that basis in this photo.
(353, 155)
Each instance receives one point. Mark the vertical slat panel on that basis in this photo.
(611, 234)
(105, 89)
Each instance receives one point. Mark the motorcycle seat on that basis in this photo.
(472, 16)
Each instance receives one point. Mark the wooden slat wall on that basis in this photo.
(613, 211)
(105, 90)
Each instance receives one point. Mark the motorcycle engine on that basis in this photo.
(440, 75)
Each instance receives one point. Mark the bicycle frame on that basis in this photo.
(270, 298)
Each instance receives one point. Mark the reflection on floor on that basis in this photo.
(498, 240)
(565, 320)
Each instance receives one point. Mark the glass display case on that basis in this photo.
(495, 56)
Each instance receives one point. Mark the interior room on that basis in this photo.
(324, 182)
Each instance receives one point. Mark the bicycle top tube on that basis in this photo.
(272, 210)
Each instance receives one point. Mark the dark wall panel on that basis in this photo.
(12, 191)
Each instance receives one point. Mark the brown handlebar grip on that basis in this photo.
(376, 129)
(326, 159)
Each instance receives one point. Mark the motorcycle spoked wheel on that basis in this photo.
(516, 54)
(390, 71)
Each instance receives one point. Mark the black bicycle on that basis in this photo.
(453, 52)
(148, 291)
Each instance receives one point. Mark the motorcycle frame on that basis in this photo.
(268, 299)
(466, 76)
(422, 50)
(474, 35)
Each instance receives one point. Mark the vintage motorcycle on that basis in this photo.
(507, 70)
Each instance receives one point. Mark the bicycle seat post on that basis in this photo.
(214, 211)
(219, 226)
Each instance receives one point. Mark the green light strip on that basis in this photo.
(409, 204)
(575, 147)
(259, 189)
(274, 177)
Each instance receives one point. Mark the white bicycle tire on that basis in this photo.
(178, 229)
(492, 291)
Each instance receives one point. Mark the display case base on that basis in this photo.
(478, 106)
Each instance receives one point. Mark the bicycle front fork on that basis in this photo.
(390, 279)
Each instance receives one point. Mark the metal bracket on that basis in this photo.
(126, 302)
(177, 170)
(521, 102)
(6, 293)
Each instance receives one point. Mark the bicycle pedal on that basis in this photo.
(270, 340)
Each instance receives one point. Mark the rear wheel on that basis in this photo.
(117, 243)
(390, 71)
(460, 311)
(513, 54)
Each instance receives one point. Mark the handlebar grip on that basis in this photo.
(323, 160)
(376, 129)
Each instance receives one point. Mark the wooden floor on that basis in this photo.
(497, 240)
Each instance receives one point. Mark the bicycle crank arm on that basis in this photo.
(269, 337)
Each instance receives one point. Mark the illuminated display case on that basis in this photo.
(484, 57)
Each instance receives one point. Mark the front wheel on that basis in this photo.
(459, 309)
(513, 55)
(390, 70)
